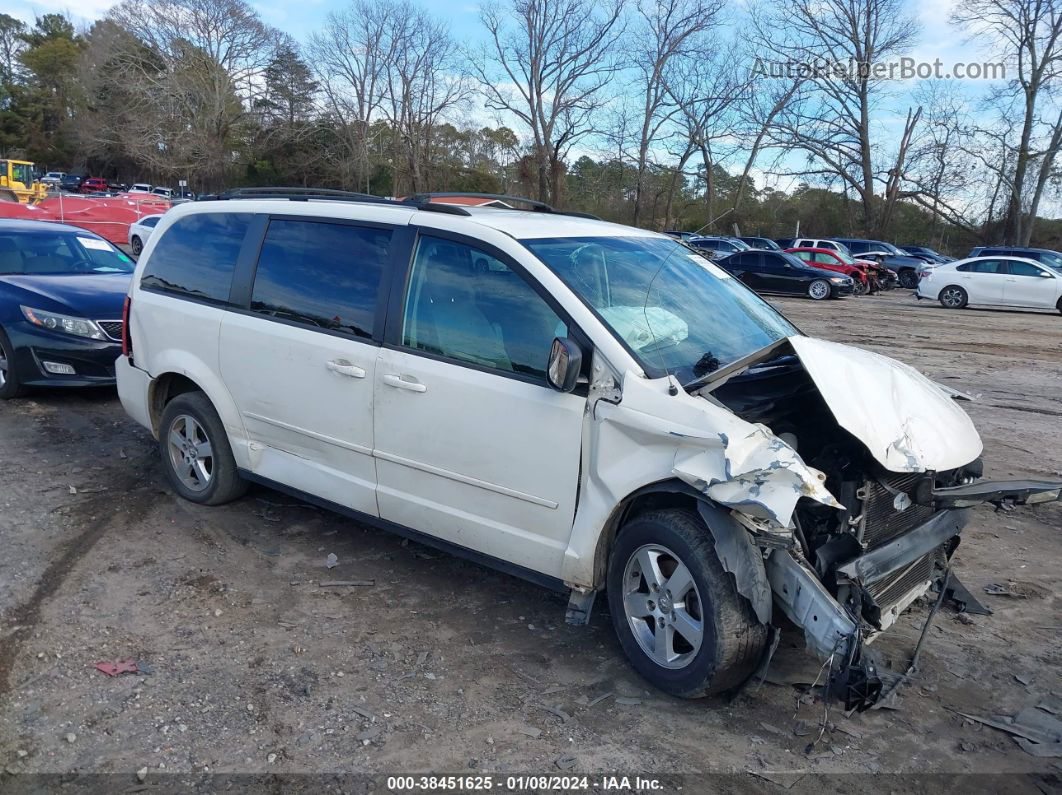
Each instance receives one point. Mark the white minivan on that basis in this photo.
(590, 406)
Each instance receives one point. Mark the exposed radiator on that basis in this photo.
(881, 521)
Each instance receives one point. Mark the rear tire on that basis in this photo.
(908, 279)
(953, 297)
(819, 290)
(664, 565)
(196, 453)
(10, 385)
(136, 245)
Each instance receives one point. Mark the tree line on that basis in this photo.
(651, 112)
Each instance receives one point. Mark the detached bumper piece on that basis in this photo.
(1003, 494)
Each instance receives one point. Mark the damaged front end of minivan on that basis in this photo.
(836, 483)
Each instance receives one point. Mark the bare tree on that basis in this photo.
(834, 46)
(424, 82)
(668, 32)
(1027, 35)
(351, 55)
(706, 91)
(549, 63)
(191, 71)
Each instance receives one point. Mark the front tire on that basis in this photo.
(908, 279)
(676, 612)
(819, 290)
(196, 453)
(10, 385)
(953, 297)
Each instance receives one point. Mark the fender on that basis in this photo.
(738, 554)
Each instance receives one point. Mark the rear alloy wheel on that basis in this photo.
(953, 297)
(136, 245)
(196, 454)
(676, 611)
(10, 387)
(819, 289)
(908, 279)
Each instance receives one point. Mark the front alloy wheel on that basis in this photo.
(819, 289)
(663, 606)
(676, 611)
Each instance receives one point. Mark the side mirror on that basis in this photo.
(1045, 275)
(565, 363)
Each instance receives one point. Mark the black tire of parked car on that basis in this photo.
(819, 290)
(136, 245)
(953, 297)
(733, 639)
(1058, 306)
(225, 483)
(908, 279)
(11, 386)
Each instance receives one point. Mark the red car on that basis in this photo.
(835, 261)
(94, 185)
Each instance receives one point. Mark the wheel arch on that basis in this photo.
(165, 388)
(740, 557)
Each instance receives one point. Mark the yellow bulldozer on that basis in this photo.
(17, 183)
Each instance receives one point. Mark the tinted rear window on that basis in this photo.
(321, 274)
(196, 256)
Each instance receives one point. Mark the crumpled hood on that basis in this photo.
(908, 422)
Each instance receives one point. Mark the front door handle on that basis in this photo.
(343, 367)
(398, 382)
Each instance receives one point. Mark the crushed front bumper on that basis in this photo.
(876, 585)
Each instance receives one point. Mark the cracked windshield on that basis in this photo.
(675, 310)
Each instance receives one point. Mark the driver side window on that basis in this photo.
(468, 306)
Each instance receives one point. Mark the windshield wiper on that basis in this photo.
(733, 367)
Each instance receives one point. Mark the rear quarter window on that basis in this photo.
(196, 256)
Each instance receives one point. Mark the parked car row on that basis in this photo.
(589, 406)
(76, 183)
(905, 263)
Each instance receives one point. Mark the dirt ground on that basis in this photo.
(441, 665)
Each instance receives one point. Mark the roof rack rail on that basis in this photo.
(536, 205)
(329, 194)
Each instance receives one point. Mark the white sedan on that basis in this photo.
(992, 281)
(140, 232)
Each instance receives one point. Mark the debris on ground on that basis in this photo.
(331, 561)
(1036, 731)
(337, 583)
(119, 667)
(995, 589)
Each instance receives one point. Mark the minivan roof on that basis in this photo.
(518, 224)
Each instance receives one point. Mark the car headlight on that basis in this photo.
(839, 279)
(78, 326)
